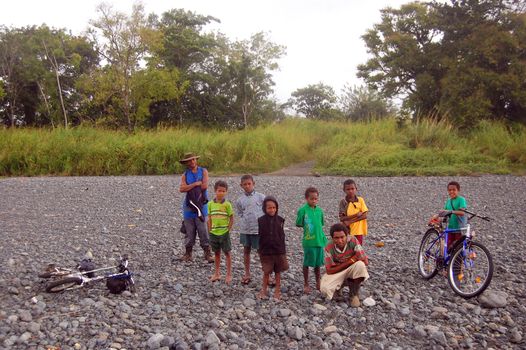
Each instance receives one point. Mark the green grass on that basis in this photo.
(358, 149)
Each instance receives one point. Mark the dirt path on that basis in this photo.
(299, 169)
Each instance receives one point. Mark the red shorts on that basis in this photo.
(452, 238)
(274, 263)
(359, 238)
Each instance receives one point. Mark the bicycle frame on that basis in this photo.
(85, 277)
(444, 234)
(86, 280)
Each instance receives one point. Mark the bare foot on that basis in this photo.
(277, 294)
(307, 289)
(318, 286)
(228, 279)
(262, 295)
(246, 279)
(215, 277)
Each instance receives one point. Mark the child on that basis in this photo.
(454, 206)
(220, 221)
(310, 217)
(271, 246)
(248, 208)
(353, 211)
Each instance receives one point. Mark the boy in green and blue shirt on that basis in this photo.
(220, 221)
(310, 217)
(454, 205)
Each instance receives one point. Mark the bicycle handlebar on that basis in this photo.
(477, 215)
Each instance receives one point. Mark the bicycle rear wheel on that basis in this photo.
(470, 270)
(63, 284)
(428, 254)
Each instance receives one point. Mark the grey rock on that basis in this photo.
(25, 316)
(439, 337)
(284, 312)
(493, 299)
(211, 339)
(295, 332)
(154, 342)
(248, 302)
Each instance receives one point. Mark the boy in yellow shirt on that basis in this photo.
(353, 211)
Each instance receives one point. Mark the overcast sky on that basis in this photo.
(322, 37)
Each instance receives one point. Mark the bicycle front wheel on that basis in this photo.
(470, 270)
(428, 253)
(63, 284)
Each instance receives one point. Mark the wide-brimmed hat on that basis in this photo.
(187, 157)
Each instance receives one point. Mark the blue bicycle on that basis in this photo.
(468, 264)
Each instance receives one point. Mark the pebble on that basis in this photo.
(284, 312)
(248, 302)
(493, 299)
(211, 339)
(330, 329)
(175, 307)
(154, 342)
(369, 302)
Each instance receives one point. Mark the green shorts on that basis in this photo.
(313, 256)
(250, 241)
(218, 243)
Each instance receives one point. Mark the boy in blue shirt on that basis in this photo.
(248, 208)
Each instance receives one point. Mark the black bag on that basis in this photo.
(116, 285)
(87, 265)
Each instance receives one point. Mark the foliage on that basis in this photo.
(464, 59)
(35, 62)
(361, 104)
(314, 101)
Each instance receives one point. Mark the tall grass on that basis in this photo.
(427, 147)
(376, 148)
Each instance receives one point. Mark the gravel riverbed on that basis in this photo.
(56, 220)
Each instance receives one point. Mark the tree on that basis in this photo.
(34, 60)
(465, 58)
(123, 46)
(12, 68)
(250, 64)
(313, 101)
(361, 103)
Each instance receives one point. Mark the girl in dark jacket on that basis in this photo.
(272, 246)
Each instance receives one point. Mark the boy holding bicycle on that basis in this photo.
(454, 206)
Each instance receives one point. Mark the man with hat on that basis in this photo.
(194, 182)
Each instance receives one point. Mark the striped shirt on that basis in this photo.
(351, 250)
(219, 214)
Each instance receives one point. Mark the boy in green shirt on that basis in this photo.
(220, 221)
(310, 217)
(454, 206)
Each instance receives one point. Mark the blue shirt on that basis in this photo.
(249, 207)
(190, 179)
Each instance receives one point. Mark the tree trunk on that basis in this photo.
(61, 100)
(47, 105)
